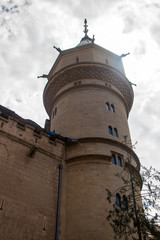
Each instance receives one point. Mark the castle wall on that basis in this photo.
(28, 184)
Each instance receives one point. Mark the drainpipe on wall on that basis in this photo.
(59, 198)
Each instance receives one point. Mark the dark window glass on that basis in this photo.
(118, 200)
(124, 200)
(107, 106)
(114, 159)
(110, 130)
(115, 132)
(112, 108)
(119, 161)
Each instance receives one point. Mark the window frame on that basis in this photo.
(119, 161)
(112, 108)
(118, 200)
(115, 131)
(107, 106)
(114, 159)
(110, 130)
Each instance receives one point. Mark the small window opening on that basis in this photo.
(110, 130)
(113, 159)
(44, 224)
(112, 108)
(77, 59)
(119, 161)
(107, 106)
(55, 111)
(124, 201)
(118, 200)
(115, 132)
(1, 205)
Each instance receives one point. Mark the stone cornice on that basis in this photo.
(87, 71)
(111, 142)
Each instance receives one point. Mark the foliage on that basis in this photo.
(138, 218)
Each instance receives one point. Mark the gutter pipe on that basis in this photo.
(59, 198)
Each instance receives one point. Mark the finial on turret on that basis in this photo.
(85, 27)
(86, 40)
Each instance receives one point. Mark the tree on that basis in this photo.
(134, 212)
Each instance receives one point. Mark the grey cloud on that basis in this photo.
(89, 9)
(129, 24)
(18, 100)
(155, 4)
(140, 49)
(155, 32)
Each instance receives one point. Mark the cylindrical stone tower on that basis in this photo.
(88, 98)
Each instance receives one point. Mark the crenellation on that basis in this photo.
(28, 136)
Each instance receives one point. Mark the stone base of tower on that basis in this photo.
(86, 176)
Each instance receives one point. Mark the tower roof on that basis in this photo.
(86, 39)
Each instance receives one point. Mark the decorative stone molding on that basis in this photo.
(87, 71)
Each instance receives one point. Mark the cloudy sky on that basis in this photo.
(30, 28)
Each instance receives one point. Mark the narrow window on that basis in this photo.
(124, 201)
(1, 204)
(112, 108)
(113, 159)
(115, 132)
(107, 106)
(119, 161)
(110, 130)
(44, 223)
(55, 111)
(77, 59)
(118, 200)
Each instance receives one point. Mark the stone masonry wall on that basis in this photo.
(28, 185)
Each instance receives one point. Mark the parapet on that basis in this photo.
(30, 134)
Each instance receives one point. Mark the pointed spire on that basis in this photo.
(86, 39)
(85, 27)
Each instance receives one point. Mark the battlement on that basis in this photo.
(30, 136)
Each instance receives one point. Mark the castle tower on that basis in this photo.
(88, 98)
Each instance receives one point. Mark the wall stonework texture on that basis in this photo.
(28, 186)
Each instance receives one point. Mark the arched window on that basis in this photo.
(119, 160)
(113, 159)
(110, 130)
(118, 200)
(124, 201)
(112, 108)
(107, 106)
(115, 132)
